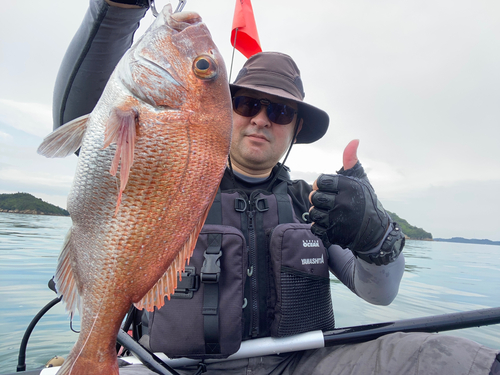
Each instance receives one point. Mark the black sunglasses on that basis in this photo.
(281, 114)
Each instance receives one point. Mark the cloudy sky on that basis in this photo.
(418, 82)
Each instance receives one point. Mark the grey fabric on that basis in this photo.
(375, 284)
(395, 354)
(273, 365)
(401, 353)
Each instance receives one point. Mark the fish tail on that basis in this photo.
(77, 364)
(83, 358)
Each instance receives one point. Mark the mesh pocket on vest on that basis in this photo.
(301, 300)
(306, 303)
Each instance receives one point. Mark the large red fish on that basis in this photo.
(152, 155)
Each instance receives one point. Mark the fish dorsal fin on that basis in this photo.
(65, 280)
(65, 140)
(168, 282)
(121, 129)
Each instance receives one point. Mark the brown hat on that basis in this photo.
(277, 74)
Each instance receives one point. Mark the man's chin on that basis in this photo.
(258, 162)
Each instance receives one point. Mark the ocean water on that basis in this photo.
(440, 278)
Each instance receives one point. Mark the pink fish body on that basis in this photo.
(152, 155)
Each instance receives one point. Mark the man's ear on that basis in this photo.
(299, 128)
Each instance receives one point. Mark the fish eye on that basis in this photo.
(204, 67)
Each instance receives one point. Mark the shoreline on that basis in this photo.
(30, 212)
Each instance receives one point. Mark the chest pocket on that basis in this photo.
(301, 301)
(188, 324)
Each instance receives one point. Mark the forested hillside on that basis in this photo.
(413, 232)
(25, 203)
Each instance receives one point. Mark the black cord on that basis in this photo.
(21, 359)
(269, 187)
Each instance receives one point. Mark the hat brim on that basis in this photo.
(315, 121)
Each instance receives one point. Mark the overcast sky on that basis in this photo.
(418, 82)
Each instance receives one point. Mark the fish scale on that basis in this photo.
(152, 154)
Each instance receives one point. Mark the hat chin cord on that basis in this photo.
(282, 165)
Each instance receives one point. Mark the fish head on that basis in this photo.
(174, 64)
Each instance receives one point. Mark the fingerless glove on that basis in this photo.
(347, 212)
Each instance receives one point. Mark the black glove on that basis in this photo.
(347, 212)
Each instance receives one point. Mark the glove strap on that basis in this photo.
(390, 249)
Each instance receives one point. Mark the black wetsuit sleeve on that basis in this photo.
(105, 34)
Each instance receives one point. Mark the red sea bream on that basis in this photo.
(152, 154)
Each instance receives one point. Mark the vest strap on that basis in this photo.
(215, 213)
(285, 214)
(210, 274)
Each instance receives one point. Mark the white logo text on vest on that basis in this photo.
(310, 243)
(313, 260)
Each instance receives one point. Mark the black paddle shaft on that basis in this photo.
(430, 324)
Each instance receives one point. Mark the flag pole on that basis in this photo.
(232, 57)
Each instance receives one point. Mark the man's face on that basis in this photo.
(257, 143)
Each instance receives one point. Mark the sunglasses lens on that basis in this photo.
(246, 106)
(281, 114)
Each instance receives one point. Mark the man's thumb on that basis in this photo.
(350, 157)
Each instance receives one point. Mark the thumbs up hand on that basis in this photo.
(345, 210)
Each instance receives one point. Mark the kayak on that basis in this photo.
(160, 363)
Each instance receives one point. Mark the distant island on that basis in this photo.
(414, 233)
(411, 232)
(24, 203)
(466, 240)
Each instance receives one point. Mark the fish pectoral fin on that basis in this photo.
(65, 140)
(65, 280)
(121, 129)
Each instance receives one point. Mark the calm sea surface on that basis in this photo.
(440, 278)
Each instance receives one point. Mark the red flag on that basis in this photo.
(245, 30)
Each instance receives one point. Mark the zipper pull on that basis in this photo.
(250, 219)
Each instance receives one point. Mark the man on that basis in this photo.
(271, 292)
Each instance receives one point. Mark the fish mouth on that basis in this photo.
(182, 20)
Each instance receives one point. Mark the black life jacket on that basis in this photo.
(256, 271)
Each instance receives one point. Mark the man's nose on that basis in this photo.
(261, 119)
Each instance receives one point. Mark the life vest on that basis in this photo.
(256, 271)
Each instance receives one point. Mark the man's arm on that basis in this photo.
(363, 242)
(105, 34)
(377, 284)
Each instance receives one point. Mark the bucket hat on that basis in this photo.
(277, 74)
